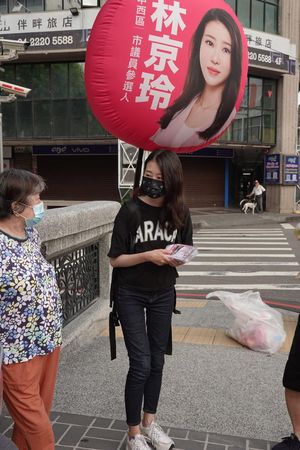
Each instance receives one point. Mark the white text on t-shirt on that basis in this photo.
(147, 232)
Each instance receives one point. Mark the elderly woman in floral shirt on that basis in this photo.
(30, 312)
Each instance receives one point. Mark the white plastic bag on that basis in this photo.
(256, 325)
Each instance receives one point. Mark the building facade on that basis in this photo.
(54, 133)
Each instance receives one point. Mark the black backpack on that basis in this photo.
(134, 223)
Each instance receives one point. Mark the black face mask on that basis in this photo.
(153, 188)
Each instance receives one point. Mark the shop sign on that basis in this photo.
(55, 30)
(290, 169)
(62, 150)
(271, 52)
(272, 169)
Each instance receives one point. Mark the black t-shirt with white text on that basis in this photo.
(149, 236)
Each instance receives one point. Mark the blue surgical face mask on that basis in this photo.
(39, 213)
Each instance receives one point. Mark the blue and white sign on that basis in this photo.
(290, 169)
(272, 169)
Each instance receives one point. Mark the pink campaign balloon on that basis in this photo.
(166, 73)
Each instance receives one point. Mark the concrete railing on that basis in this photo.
(65, 229)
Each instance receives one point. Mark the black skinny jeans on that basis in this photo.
(146, 341)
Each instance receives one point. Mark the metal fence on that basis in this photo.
(77, 275)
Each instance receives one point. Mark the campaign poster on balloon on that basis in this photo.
(165, 73)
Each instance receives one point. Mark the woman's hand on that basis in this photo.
(160, 257)
(175, 262)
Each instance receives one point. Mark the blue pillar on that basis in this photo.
(226, 186)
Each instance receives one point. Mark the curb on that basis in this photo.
(215, 221)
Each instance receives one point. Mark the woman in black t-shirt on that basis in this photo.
(146, 277)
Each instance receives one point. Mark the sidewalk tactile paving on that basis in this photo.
(200, 336)
(111, 435)
(214, 336)
(179, 333)
(221, 338)
(289, 326)
(182, 303)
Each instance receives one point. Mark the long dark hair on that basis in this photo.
(195, 82)
(174, 211)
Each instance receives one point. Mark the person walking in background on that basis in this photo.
(258, 191)
(146, 276)
(30, 312)
(206, 105)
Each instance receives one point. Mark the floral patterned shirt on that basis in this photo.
(30, 305)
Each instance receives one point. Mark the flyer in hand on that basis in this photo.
(181, 252)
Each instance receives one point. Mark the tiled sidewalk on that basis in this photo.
(78, 432)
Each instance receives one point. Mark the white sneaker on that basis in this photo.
(159, 439)
(137, 443)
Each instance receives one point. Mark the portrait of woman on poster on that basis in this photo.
(206, 105)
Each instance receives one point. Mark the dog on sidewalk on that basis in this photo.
(248, 206)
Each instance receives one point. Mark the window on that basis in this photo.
(56, 106)
(72, 4)
(259, 15)
(59, 80)
(9, 120)
(77, 89)
(60, 126)
(42, 118)
(78, 118)
(255, 122)
(3, 7)
(24, 119)
(40, 81)
(271, 18)
(254, 126)
(16, 6)
(232, 3)
(243, 12)
(35, 5)
(255, 92)
(53, 5)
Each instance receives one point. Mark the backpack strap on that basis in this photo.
(178, 240)
(113, 315)
(134, 222)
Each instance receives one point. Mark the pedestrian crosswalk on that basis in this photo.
(241, 259)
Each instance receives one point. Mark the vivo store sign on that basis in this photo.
(270, 52)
